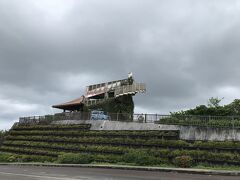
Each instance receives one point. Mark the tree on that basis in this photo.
(214, 102)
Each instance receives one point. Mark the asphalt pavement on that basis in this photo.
(8, 172)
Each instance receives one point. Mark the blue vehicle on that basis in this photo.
(99, 115)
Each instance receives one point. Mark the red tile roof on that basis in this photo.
(68, 105)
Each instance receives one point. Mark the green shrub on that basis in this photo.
(34, 158)
(4, 157)
(183, 161)
(71, 158)
(12, 158)
(140, 158)
(2, 136)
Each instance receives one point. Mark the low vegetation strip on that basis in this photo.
(109, 134)
(53, 127)
(150, 143)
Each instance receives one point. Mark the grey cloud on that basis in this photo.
(50, 50)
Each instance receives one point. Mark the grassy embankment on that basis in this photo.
(77, 144)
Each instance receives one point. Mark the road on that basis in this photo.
(70, 173)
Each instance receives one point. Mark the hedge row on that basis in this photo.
(28, 151)
(136, 157)
(53, 127)
(55, 150)
(70, 147)
(209, 145)
(8, 157)
(79, 133)
(224, 123)
(101, 140)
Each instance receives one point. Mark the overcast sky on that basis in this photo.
(185, 51)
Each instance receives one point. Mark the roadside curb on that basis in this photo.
(138, 168)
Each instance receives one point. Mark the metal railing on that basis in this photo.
(143, 118)
(130, 89)
(186, 120)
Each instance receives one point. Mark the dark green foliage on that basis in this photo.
(130, 142)
(123, 105)
(32, 158)
(2, 136)
(4, 157)
(71, 158)
(232, 109)
(141, 158)
(52, 127)
(183, 161)
(79, 133)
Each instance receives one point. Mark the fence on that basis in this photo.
(207, 121)
(143, 118)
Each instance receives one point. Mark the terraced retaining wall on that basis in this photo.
(186, 132)
(49, 142)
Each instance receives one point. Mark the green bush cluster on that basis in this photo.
(183, 161)
(71, 158)
(2, 136)
(4, 157)
(136, 157)
(140, 157)
(232, 109)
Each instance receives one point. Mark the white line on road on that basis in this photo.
(36, 176)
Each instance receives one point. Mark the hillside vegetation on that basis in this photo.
(213, 109)
(212, 115)
(77, 144)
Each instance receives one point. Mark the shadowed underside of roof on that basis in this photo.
(71, 105)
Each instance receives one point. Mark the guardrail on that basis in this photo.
(186, 120)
